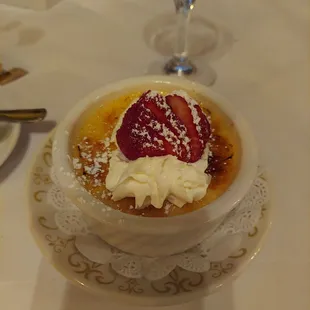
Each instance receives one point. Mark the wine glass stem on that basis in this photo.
(183, 9)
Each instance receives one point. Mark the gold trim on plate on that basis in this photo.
(39, 177)
(131, 286)
(220, 268)
(42, 221)
(58, 244)
(239, 254)
(178, 284)
(37, 196)
(90, 270)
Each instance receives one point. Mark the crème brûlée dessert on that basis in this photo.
(155, 152)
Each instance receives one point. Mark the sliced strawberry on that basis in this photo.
(140, 134)
(153, 103)
(158, 126)
(205, 129)
(180, 107)
(163, 113)
(182, 110)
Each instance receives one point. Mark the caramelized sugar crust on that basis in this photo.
(93, 132)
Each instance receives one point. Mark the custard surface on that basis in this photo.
(96, 125)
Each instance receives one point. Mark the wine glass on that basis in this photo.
(180, 64)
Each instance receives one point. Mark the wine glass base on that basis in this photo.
(204, 74)
(179, 67)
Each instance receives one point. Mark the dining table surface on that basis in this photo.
(260, 53)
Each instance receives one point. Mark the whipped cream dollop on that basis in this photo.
(152, 180)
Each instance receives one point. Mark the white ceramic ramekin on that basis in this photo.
(153, 236)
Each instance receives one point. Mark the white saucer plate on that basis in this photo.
(178, 287)
(9, 134)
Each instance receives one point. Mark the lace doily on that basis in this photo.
(221, 244)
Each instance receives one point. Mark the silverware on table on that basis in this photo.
(23, 115)
(12, 75)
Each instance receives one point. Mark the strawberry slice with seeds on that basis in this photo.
(163, 113)
(181, 108)
(141, 132)
(205, 128)
(158, 126)
(165, 116)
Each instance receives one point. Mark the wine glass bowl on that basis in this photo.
(203, 36)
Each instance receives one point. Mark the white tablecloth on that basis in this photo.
(79, 45)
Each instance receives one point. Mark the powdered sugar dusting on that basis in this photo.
(167, 207)
(142, 132)
(192, 105)
(152, 94)
(93, 159)
(76, 163)
(176, 133)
